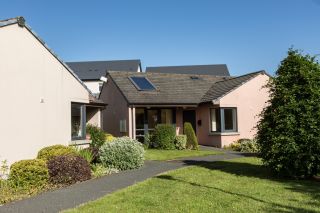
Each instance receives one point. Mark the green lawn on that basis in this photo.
(157, 154)
(241, 185)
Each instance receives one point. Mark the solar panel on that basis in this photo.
(142, 83)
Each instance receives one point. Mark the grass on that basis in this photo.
(241, 185)
(157, 154)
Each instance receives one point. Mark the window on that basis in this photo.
(142, 83)
(78, 121)
(223, 119)
(166, 116)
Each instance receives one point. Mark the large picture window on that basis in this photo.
(223, 119)
(78, 121)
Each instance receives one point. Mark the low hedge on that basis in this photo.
(164, 137)
(181, 141)
(68, 169)
(29, 173)
(56, 150)
(122, 154)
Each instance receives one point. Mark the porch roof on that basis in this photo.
(176, 89)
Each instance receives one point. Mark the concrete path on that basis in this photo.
(72, 196)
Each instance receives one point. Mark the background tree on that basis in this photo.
(289, 131)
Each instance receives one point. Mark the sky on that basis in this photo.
(247, 35)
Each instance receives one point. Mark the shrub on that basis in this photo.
(94, 152)
(244, 145)
(97, 135)
(181, 141)
(288, 133)
(68, 169)
(122, 153)
(164, 136)
(86, 154)
(4, 170)
(99, 170)
(108, 137)
(29, 173)
(56, 150)
(192, 141)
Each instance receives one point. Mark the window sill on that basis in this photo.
(224, 133)
(79, 142)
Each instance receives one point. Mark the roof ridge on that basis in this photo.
(180, 74)
(191, 65)
(104, 61)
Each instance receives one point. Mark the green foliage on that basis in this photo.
(180, 142)
(122, 154)
(108, 137)
(86, 154)
(49, 152)
(97, 135)
(192, 141)
(289, 131)
(244, 145)
(164, 136)
(68, 169)
(4, 170)
(29, 173)
(99, 170)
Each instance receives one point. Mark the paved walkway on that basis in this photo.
(72, 196)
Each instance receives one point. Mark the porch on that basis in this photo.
(143, 119)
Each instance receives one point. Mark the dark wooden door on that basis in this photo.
(190, 116)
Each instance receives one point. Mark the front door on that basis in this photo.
(190, 116)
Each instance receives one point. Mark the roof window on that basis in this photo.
(142, 83)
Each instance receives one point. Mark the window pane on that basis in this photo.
(214, 120)
(228, 119)
(152, 118)
(166, 116)
(76, 121)
(140, 118)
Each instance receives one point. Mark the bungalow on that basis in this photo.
(221, 109)
(47, 104)
(90, 72)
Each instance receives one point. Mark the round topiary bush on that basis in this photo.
(164, 137)
(29, 173)
(122, 154)
(68, 169)
(192, 141)
(49, 152)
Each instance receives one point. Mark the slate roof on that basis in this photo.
(222, 88)
(214, 69)
(93, 70)
(21, 22)
(177, 89)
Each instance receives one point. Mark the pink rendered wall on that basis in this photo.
(116, 110)
(250, 99)
(203, 132)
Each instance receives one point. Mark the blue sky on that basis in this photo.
(247, 35)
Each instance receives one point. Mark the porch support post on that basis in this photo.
(130, 122)
(134, 122)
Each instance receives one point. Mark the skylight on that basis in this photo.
(142, 83)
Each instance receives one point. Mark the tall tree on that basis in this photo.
(289, 131)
